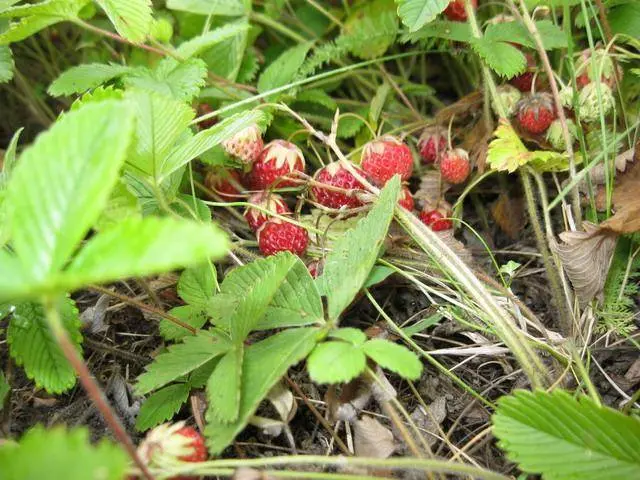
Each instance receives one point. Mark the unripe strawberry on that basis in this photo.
(169, 444)
(592, 104)
(509, 97)
(406, 199)
(455, 10)
(524, 81)
(226, 183)
(279, 158)
(276, 236)
(536, 112)
(272, 202)
(245, 145)
(432, 144)
(335, 175)
(555, 135)
(599, 65)
(455, 166)
(385, 157)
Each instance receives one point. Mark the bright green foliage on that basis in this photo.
(224, 384)
(211, 7)
(33, 346)
(132, 18)
(447, 30)
(348, 265)
(188, 314)
(506, 60)
(336, 362)
(179, 80)
(5, 174)
(516, 32)
(201, 43)
(6, 64)
(376, 25)
(81, 78)
(564, 438)
(224, 58)
(121, 204)
(98, 94)
(197, 285)
(61, 453)
(264, 365)
(162, 405)
(62, 182)
(181, 359)
(415, 14)
(625, 19)
(137, 247)
(284, 68)
(5, 388)
(353, 336)
(394, 357)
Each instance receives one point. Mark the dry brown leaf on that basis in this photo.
(508, 212)
(597, 176)
(476, 142)
(626, 201)
(429, 420)
(463, 107)
(586, 257)
(372, 439)
(431, 189)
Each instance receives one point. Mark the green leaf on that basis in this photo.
(61, 453)
(121, 204)
(625, 19)
(137, 247)
(181, 81)
(394, 357)
(417, 13)
(456, 31)
(98, 94)
(378, 101)
(160, 122)
(188, 314)
(376, 25)
(197, 285)
(378, 274)
(81, 78)
(265, 363)
(209, 7)
(348, 265)
(132, 18)
(336, 362)
(225, 58)
(283, 69)
(541, 430)
(195, 46)
(318, 97)
(33, 346)
(5, 388)
(351, 335)
(504, 59)
(206, 140)
(180, 359)
(162, 406)
(13, 283)
(62, 182)
(6, 64)
(223, 387)
(516, 32)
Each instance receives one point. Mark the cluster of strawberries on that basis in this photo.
(334, 188)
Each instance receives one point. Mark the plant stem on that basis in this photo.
(90, 385)
(279, 27)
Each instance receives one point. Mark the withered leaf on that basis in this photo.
(508, 212)
(431, 188)
(586, 257)
(465, 106)
(372, 439)
(626, 201)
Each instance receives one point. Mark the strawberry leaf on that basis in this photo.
(84, 77)
(188, 314)
(223, 387)
(161, 406)
(336, 362)
(504, 59)
(394, 357)
(132, 18)
(210, 7)
(196, 285)
(415, 14)
(6, 64)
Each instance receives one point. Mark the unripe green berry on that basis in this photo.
(161, 30)
(509, 97)
(592, 104)
(555, 135)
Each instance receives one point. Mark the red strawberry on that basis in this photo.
(434, 219)
(315, 268)
(385, 157)
(271, 202)
(455, 10)
(524, 81)
(432, 144)
(245, 145)
(406, 199)
(277, 159)
(536, 112)
(226, 183)
(335, 175)
(455, 166)
(277, 236)
(169, 443)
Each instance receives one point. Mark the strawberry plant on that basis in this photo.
(319, 238)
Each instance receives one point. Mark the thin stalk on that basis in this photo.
(90, 385)
(277, 26)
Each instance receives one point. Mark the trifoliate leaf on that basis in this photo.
(394, 357)
(336, 362)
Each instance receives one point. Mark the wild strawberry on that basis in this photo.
(432, 144)
(435, 219)
(591, 66)
(226, 183)
(271, 202)
(169, 444)
(509, 97)
(385, 157)
(315, 268)
(277, 159)
(203, 109)
(455, 166)
(245, 145)
(536, 112)
(595, 99)
(555, 134)
(335, 175)
(276, 236)
(455, 10)
(406, 199)
(524, 81)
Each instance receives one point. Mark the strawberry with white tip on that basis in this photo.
(330, 179)
(406, 199)
(455, 166)
(268, 202)
(437, 218)
(225, 183)
(385, 157)
(432, 144)
(278, 159)
(245, 145)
